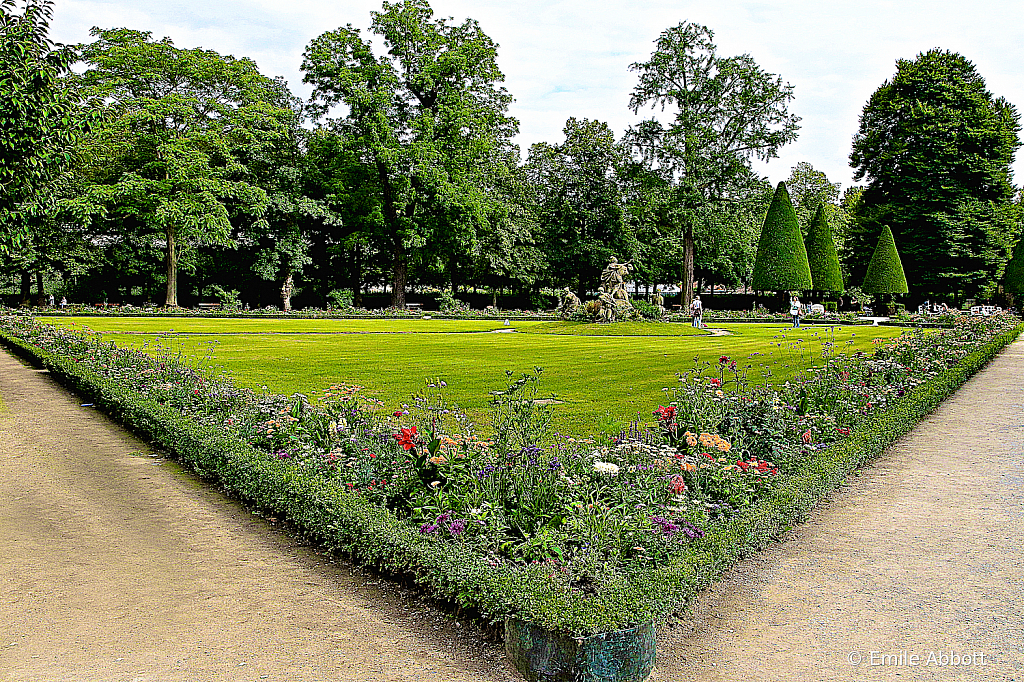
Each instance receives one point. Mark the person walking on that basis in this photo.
(63, 302)
(697, 311)
(795, 309)
(51, 300)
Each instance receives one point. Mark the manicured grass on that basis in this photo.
(603, 380)
(616, 329)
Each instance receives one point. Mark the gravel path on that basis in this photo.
(919, 555)
(115, 565)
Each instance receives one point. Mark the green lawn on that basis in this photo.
(603, 380)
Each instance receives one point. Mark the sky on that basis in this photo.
(570, 58)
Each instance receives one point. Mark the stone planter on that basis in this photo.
(545, 656)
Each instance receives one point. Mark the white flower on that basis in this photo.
(606, 468)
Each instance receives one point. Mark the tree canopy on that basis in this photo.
(37, 122)
(935, 147)
(428, 119)
(723, 112)
(180, 130)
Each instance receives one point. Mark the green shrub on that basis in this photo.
(781, 261)
(885, 271)
(647, 311)
(822, 256)
(1013, 276)
(831, 306)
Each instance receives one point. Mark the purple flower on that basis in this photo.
(667, 527)
(486, 471)
(457, 526)
(428, 528)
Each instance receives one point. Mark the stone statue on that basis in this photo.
(615, 275)
(569, 304)
(608, 305)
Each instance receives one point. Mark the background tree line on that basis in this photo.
(156, 173)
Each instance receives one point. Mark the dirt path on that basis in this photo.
(115, 565)
(118, 566)
(920, 555)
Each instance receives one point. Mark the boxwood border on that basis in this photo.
(372, 535)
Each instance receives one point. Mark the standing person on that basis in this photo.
(795, 309)
(51, 300)
(63, 302)
(696, 310)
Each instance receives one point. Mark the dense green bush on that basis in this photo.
(885, 271)
(781, 260)
(647, 311)
(822, 256)
(1013, 276)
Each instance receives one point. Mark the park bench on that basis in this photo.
(414, 306)
(208, 306)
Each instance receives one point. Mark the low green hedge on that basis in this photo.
(374, 536)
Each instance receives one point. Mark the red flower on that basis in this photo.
(678, 485)
(742, 465)
(398, 414)
(407, 438)
(724, 359)
(806, 437)
(665, 414)
(716, 382)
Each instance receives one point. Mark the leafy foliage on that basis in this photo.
(180, 131)
(725, 111)
(428, 123)
(38, 125)
(1013, 278)
(935, 147)
(781, 263)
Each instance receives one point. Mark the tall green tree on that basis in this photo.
(781, 262)
(428, 118)
(38, 127)
(723, 112)
(580, 203)
(170, 158)
(935, 147)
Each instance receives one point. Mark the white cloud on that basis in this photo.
(567, 58)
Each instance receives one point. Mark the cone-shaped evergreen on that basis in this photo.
(781, 261)
(885, 271)
(822, 256)
(1013, 276)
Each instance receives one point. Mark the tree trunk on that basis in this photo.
(686, 296)
(40, 291)
(357, 278)
(26, 288)
(401, 268)
(172, 269)
(286, 291)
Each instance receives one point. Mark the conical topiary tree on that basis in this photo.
(1013, 276)
(885, 271)
(822, 256)
(781, 261)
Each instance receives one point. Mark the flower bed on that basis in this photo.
(571, 534)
